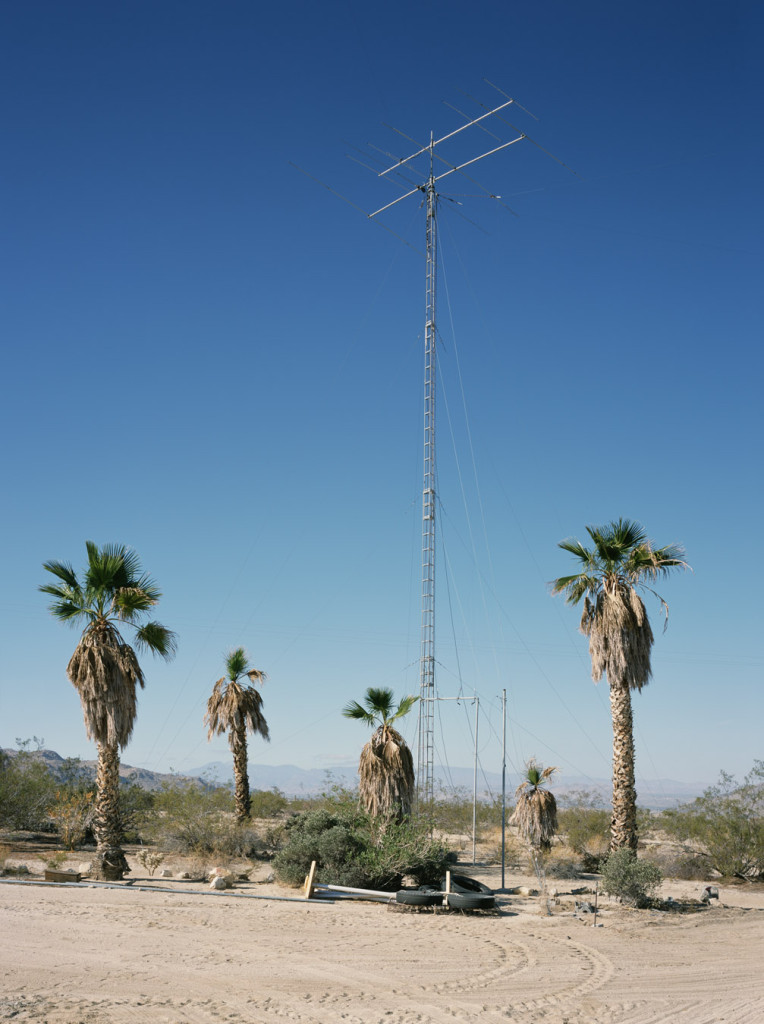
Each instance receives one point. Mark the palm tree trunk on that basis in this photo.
(623, 824)
(110, 862)
(241, 793)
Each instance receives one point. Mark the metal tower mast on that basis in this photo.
(427, 692)
(427, 650)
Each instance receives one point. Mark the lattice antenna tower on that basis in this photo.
(429, 187)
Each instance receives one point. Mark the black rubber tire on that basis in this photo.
(471, 901)
(462, 883)
(418, 897)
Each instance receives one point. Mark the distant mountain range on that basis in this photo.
(290, 780)
(657, 794)
(62, 767)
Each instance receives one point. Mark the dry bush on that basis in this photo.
(72, 813)
(559, 865)
(690, 867)
(150, 860)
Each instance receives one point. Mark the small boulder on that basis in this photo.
(165, 873)
(183, 874)
(218, 882)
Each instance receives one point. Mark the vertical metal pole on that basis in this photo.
(474, 782)
(503, 783)
(425, 792)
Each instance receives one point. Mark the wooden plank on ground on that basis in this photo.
(309, 880)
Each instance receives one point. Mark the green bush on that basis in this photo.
(268, 803)
(632, 881)
(135, 806)
(353, 849)
(587, 833)
(27, 790)
(726, 824)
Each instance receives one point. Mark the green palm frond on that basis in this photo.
(130, 602)
(154, 637)
(575, 547)
(575, 587)
(236, 663)
(354, 710)
(64, 572)
(377, 708)
(105, 569)
(615, 539)
(379, 700)
(405, 704)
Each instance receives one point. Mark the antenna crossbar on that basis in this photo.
(429, 148)
(445, 174)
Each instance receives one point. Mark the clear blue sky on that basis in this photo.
(210, 357)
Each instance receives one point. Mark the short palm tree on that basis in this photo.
(535, 814)
(237, 708)
(612, 572)
(113, 592)
(386, 767)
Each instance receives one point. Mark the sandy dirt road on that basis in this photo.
(111, 956)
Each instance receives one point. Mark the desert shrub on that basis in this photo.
(726, 824)
(451, 812)
(646, 821)
(150, 859)
(72, 813)
(268, 803)
(350, 848)
(514, 852)
(55, 860)
(631, 880)
(189, 818)
(27, 789)
(335, 796)
(135, 807)
(560, 866)
(587, 833)
(678, 864)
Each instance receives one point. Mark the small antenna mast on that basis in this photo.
(427, 694)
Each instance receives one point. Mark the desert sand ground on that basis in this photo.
(90, 955)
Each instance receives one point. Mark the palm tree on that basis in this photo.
(386, 767)
(535, 813)
(620, 564)
(235, 707)
(114, 591)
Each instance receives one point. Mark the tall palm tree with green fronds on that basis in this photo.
(386, 767)
(112, 592)
(237, 708)
(621, 563)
